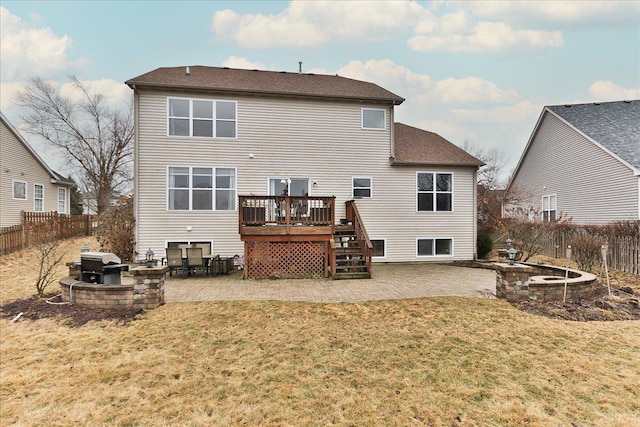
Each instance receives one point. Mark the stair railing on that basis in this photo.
(362, 237)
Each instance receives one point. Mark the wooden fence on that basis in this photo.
(38, 225)
(623, 253)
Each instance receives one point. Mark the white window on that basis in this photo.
(379, 248)
(549, 208)
(434, 191)
(201, 118)
(201, 188)
(434, 247)
(374, 119)
(62, 200)
(38, 197)
(361, 187)
(19, 190)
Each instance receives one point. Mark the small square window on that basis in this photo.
(373, 119)
(379, 248)
(20, 190)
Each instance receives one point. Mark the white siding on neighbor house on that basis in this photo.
(319, 140)
(592, 186)
(17, 163)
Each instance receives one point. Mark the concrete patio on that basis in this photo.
(390, 281)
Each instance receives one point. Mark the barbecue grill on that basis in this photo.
(101, 267)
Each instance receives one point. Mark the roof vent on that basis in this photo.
(299, 67)
(187, 71)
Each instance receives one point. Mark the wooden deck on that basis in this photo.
(295, 237)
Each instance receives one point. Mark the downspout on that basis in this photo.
(475, 213)
(392, 144)
(136, 157)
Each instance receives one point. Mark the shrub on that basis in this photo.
(49, 256)
(484, 245)
(115, 232)
(586, 251)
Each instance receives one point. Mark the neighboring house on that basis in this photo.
(90, 203)
(210, 141)
(583, 161)
(26, 182)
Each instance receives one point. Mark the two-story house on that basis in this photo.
(583, 161)
(268, 164)
(26, 182)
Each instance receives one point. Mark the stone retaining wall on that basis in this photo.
(146, 292)
(542, 282)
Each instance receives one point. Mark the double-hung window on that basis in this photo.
(62, 200)
(434, 191)
(361, 188)
(549, 208)
(38, 198)
(201, 188)
(207, 118)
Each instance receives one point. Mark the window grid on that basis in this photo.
(207, 118)
(191, 188)
(38, 198)
(62, 200)
(434, 192)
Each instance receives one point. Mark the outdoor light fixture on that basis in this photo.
(84, 248)
(511, 252)
(149, 256)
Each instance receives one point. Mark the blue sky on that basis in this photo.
(477, 71)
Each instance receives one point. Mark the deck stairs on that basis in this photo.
(350, 260)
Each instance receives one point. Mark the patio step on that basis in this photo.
(350, 261)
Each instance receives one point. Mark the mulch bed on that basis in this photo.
(35, 308)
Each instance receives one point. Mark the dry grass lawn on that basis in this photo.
(439, 361)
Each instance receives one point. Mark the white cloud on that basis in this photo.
(312, 23)
(8, 91)
(114, 93)
(540, 14)
(608, 91)
(387, 74)
(519, 111)
(484, 37)
(472, 90)
(244, 63)
(25, 48)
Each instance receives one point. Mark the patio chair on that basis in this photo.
(174, 260)
(195, 260)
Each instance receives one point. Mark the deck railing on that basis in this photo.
(362, 236)
(286, 210)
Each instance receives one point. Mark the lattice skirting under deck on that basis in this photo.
(285, 259)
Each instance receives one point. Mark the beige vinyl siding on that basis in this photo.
(319, 140)
(591, 185)
(17, 163)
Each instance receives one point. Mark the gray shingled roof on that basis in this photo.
(415, 146)
(272, 83)
(614, 125)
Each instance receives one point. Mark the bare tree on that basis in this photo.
(493, 195)
(97, 140)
